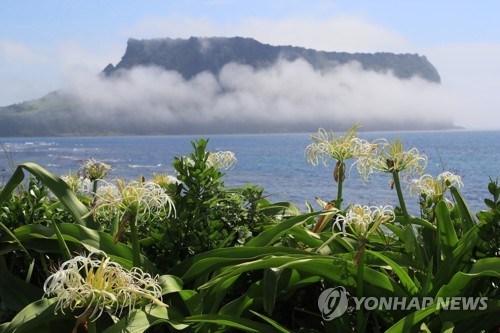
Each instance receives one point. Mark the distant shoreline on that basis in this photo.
(362, 130)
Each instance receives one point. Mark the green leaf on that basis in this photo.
(305, 236)
(411, 242)
(404, 278)
(242, 324)
(447, 232)
(460, 318)
(170, 284)
(447, 327)
(337, 270)
(11, 234)
(463, 209)
(43, 239)
(424, 328)
(56, 185)
(422, 222)
(62, 244)
(272, 322)
(15, 293)
(466, 244)
(483, 318)
(427, 285)
(408, 322)
(270, 285)
(253, 297)
(192, 300)
(209, 261)
(490, 203)
(32, 316)
(460, 281)
(493, 188)
(215, 296)
(396, 230)
(281, 209)
(140, 320)
(268, 236)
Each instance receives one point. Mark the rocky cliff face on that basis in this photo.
(194, 55)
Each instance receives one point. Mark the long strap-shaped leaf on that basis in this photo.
(44, 239)
(60, 189)
(458, 283)
(267, 237)
(241, 324)
(408, 284)
(463, 209)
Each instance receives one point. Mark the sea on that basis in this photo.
(274, 162)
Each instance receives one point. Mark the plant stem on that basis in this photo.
(91, 327)
(395, 176)
(339, 184)
(66, 254)
(136, 246)
(94, 191)
(359, 285)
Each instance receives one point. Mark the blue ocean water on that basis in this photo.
(275, 162)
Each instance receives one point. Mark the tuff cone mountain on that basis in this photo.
(195, 55)
(192, 63)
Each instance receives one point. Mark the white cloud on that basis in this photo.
(20, 64)
(28, 73)
(17, 54)
(288, 95)
(74, 56)
(471, 72)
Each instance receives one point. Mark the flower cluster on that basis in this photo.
(326, 147)
(135, 197)
(77, 183)
(93, 170)
(98, 285)
(164, 180)
(389, 157)
(434, 188)
(222, 160)
(364, 220)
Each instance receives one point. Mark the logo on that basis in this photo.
(332, 303)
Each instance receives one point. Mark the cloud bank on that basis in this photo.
(470, 74)
(289, 96)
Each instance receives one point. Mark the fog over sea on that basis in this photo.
(274, 162)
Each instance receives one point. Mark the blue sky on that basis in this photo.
(44, 43)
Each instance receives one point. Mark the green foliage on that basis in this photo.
(237, 262)
(208, 216)
(489, 226)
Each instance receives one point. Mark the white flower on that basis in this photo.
(93, 170)
(98, 285)
(72, 180)
(163, 179)
(389, 157)
(222, 160)
(77, 184)
(363, 220)
(136, 197)
(327, 147)
(434, 188)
